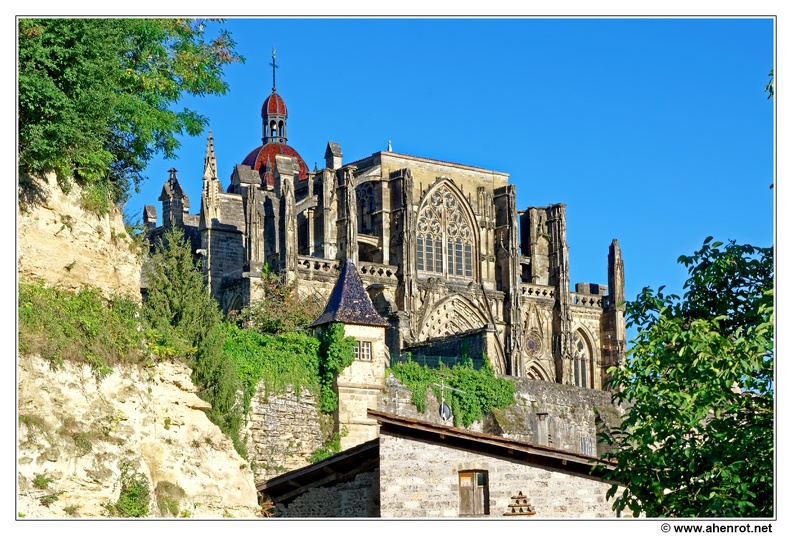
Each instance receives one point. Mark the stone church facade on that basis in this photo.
(442, 249)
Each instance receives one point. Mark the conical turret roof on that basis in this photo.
(349, 302)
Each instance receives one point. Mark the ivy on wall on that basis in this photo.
(470, 393)
(277, 361)
(337, 353)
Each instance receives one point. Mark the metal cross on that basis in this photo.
(273, 69)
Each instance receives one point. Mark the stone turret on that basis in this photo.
(359, 386)
(175, 203)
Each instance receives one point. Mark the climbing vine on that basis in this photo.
(336, 353)
(470, 393)
(277, 361)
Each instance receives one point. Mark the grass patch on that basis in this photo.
(82, 327)
(169, 496)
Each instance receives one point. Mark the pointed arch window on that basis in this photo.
(367, 205)
(581, 360)
(444, 241)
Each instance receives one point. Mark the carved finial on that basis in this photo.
(210, 161)
(274, 66)
(390, 149)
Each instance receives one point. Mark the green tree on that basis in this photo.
(95, 96)
(770, 87)
(281, 309)
(185, 322)
(697, 437)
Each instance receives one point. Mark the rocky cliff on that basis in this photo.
(61, 244)
(85, 445)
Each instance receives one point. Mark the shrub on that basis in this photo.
(281, 309)
(41, 481)
(133, 501)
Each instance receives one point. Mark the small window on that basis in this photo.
(363, 350)
(473, 493)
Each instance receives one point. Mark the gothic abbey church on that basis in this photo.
(442, 250)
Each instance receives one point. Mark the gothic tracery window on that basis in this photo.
(444, 241)
(367, 204)
(581, 359)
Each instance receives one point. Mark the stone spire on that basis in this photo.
(211, 184)
(210, 161)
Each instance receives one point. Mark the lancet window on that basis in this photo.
(581, 359)
(367, 204)
(445, 240)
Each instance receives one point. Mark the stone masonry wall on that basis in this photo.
(283, 431)
(419, 479)
(357, 498)
(568, 412)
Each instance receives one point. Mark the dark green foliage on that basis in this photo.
(697, 438)
(95, 97)
(178, 306)
(336, 352)
(470, 393)
(82, 326)
(770, 87)
(279, 361)
(185, 322)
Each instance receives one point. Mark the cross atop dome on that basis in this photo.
(274, 66)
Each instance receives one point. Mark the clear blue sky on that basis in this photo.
(657, 132)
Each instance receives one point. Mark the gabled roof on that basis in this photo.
(345, 465)
(461, 438)
(349, 302)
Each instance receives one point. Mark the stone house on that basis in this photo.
(416, 469)
(444, 253)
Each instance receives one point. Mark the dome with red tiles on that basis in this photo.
(274, 105)
(257, 159)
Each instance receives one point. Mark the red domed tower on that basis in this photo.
(273, 136)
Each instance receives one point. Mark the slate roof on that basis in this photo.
(349, 302)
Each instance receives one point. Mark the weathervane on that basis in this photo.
(273, 69)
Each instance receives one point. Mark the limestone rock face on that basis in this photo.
(76, 434)
(66, 247)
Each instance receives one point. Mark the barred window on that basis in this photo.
(444, 241)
